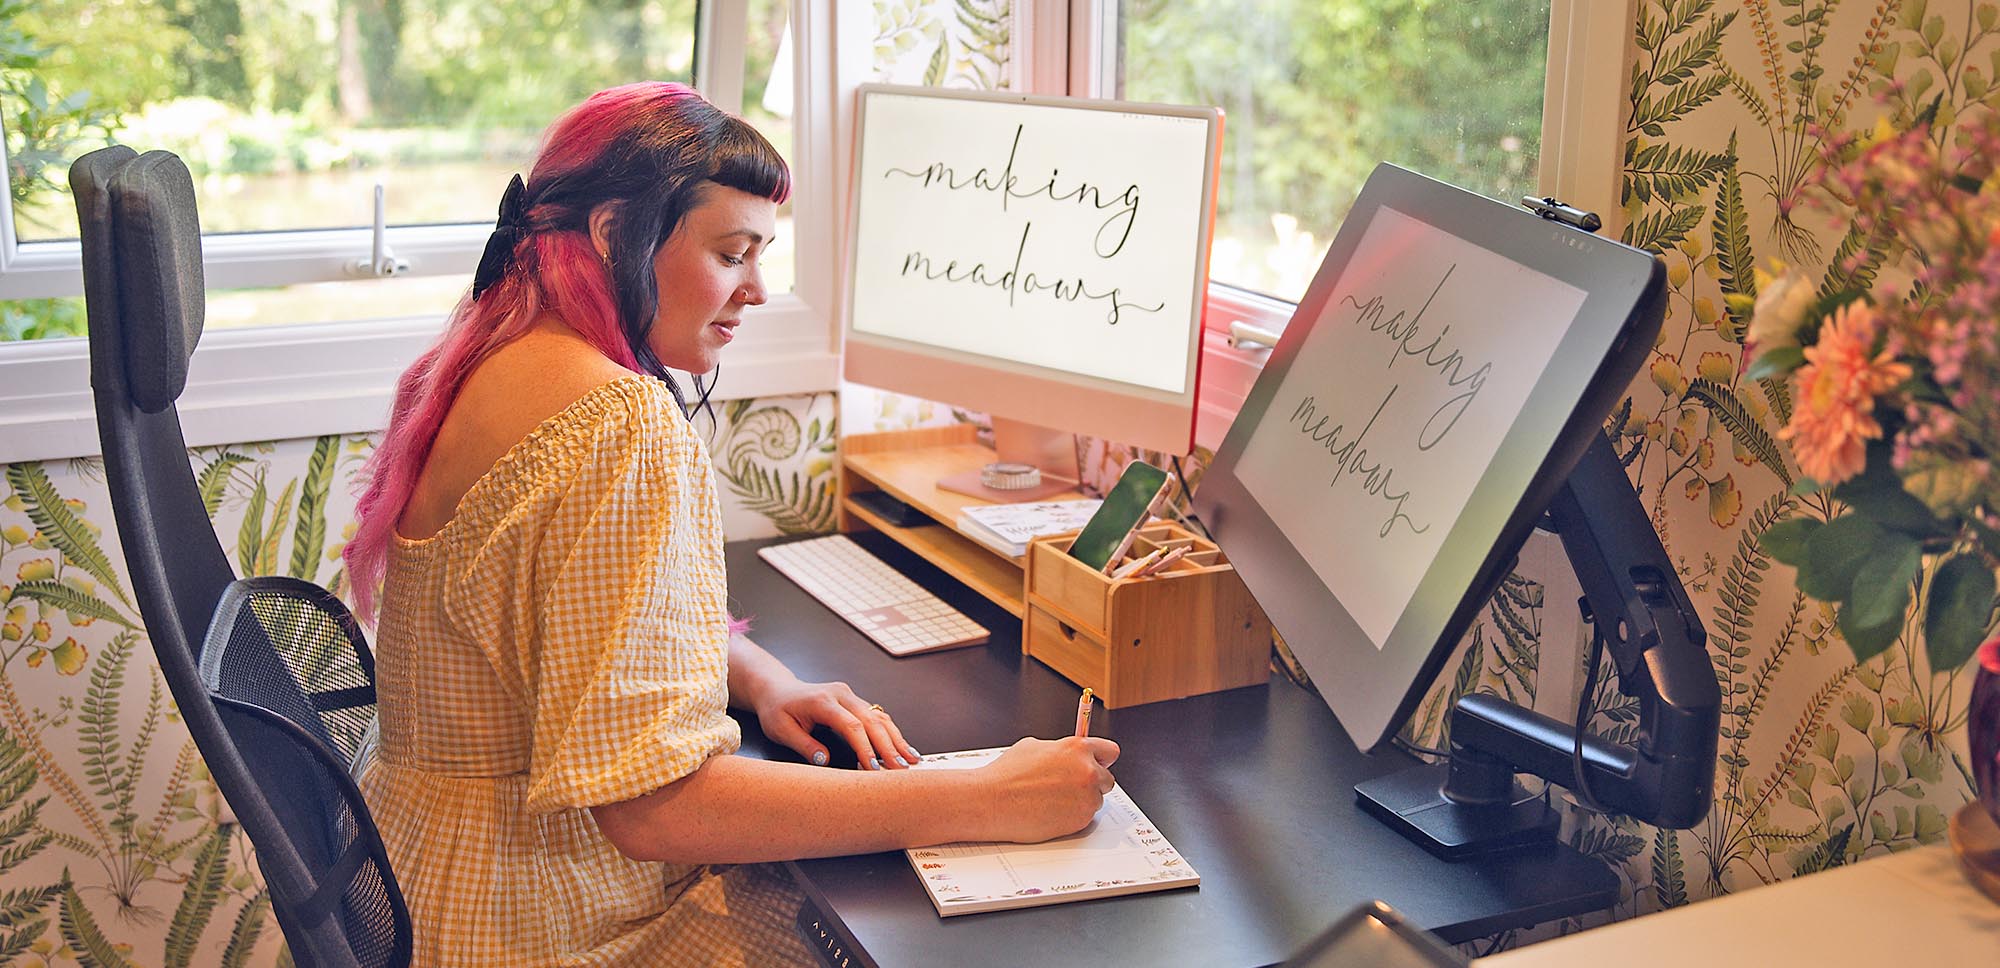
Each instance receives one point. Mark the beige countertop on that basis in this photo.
(1901, 910)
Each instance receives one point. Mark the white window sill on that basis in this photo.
(277, 383)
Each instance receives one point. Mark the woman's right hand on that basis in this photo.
(1047, 788)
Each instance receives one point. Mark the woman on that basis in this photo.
(554, 779)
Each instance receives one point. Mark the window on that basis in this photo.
(290, 112)
(1316, 93)
(289, 115)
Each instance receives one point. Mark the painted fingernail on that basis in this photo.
(902, 762)
(914, 755)
(819, 758)
(876, 760)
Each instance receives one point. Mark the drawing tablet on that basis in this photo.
(1443, 373)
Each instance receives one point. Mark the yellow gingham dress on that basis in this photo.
(561, 643)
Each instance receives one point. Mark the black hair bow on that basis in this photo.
(510, 230)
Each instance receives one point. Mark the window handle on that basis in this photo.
(1244, 336)
(381, 262)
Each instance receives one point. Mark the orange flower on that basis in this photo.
(1836, 391)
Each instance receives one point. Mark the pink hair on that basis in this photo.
(556, 271)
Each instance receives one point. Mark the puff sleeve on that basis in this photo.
(629, 661)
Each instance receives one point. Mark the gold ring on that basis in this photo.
(877, 707)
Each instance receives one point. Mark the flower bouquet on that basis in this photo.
(1895, 393)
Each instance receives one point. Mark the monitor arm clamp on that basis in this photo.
(1472, 805)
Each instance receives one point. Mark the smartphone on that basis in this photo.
(1129, 503)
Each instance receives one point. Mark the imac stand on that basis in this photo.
(1472, 805)
(1031, 463)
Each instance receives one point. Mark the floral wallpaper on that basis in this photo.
(1822, 761)
(115, 847)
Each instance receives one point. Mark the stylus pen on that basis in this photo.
(1083, 714)
(1160, 564)
(1134, 565)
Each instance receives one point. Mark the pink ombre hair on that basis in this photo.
(652, 149)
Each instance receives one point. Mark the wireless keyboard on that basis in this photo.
(885, 605)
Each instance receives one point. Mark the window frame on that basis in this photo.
(1073, 46)
(308, 379)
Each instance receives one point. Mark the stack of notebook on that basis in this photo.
(1007, 528)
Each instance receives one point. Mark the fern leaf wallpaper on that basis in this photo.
(115, 847)
(1821, 761)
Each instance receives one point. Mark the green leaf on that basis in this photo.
(97, 717)
(1776, 362)
(1731, 225)
(64, 530)
(1882, 585)
(1834, 553)
(1470, 667)
(1659, 230)
(250, 534)
(934, 71)
(1672, 171)
(19, 939)
(1868, 641)
(1827, 855)
(212, 479)
(309, 536)
(1669, 880)
(1786, 540)
(71, 600)
(79, 929)
(1930, 823)
(1956, 616)
(281, 514)
(1877, 492)
(1724, 404)
(198, 900)
(249, 926)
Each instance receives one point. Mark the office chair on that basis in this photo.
(273, 679)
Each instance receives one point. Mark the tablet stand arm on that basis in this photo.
(1656, 641)
(1635, 601)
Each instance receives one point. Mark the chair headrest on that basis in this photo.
(160, 292)
(90, 185)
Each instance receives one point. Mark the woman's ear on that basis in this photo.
(601, 219)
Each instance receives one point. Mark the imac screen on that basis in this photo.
(1043, 259)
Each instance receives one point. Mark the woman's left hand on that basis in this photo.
(789, 712)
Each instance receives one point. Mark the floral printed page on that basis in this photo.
(1119, 852)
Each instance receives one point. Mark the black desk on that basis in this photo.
(1254, 786)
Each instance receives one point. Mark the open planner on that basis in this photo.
(1120, 852)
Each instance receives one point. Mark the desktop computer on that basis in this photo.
(1040, 259)
(1043, 260)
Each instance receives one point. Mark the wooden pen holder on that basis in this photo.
(1189, 628)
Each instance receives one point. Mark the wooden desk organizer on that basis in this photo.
(1189, 629)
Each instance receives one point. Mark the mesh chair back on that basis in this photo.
(291, 680)
(281, 762)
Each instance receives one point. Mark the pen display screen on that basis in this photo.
(1396, 405)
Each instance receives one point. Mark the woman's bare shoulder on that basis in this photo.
(506, 397)
(536, 377)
